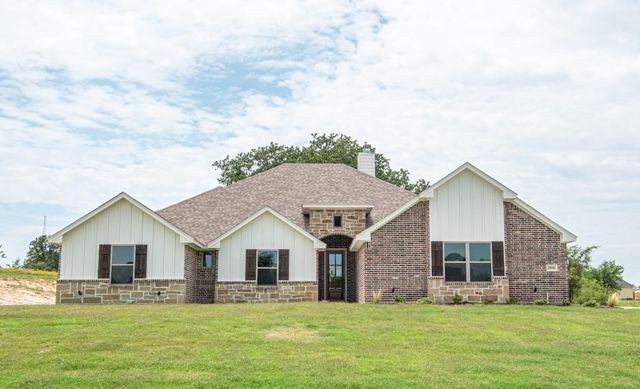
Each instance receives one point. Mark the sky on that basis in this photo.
(102, 97)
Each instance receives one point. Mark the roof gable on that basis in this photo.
(57, 237)
(317, 243)
(507, 194)
(467, 166)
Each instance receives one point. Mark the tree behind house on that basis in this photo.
(42, 255)
(331, 148)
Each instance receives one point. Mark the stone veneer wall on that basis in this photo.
(200, 281)
(354, 221)
(529, 247)
(397, 259)
(102, 292)
(442, 292)
(249, 292)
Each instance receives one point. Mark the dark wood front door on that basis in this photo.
(335, 275)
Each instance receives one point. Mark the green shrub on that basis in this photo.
(591, 290)
(488, 301)
(566, 303)
(457, 299)
(591, 303)
(511, 300)
(398, 298)
(540, 302)
(424, 301)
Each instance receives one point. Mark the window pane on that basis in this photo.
(454, 252)
(480, 252)
(455, 272)
(332, 259)
(207, 260)
(122, 255)
(267, 276)
(335, 282)
(480, 272)
(267, 259)
(121, 274)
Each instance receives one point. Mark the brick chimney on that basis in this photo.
(367, 162)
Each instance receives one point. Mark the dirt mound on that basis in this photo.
(27, 291)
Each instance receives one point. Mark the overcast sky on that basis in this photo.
(101, 98)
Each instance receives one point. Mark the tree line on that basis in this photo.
(41, 256)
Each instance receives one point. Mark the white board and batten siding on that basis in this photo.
(121, 223)
(269, 233)
(467, 208)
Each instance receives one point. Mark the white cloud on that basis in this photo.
(98, 98)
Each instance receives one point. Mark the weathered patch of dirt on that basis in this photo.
(27, 291)
(294, 334)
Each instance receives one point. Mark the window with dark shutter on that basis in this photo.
(104, 260)
(141, 261)
(436, 259)
(497, 249)
(250, 265)
(283, 265)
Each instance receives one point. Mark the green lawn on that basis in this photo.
(629, 303)
(319, 345)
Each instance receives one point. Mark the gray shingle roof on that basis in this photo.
(625, 284)
(285, 189)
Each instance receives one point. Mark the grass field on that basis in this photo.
(319, 345)
(27, 273)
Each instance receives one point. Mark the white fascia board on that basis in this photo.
(566, 236)
(57, 238)
(507, 193)
(317, 243)
(365, 236)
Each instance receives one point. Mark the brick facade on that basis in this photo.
(397, 258)
(320, 223)
(249, 292)
(102, 292)
(529, 247)
(200, 281)
(442, 292)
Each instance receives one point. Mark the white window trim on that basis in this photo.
(133, 265)
(277, 268)
(467, 261)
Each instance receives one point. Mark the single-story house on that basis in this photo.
(628, 291)
(308, 232)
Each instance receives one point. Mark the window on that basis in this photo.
(122, 264)
(337, 221)
(207, 260)
(267, 267)
(467, 262)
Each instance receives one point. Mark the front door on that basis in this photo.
(335, 272)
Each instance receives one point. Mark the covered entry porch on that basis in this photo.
(337, 270)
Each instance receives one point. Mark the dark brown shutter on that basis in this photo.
(141, 261)
(104, 260)
(436, 259)
(283, 265)
(250, 266)
(498, 258)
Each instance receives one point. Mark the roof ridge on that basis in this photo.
(190, 198)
